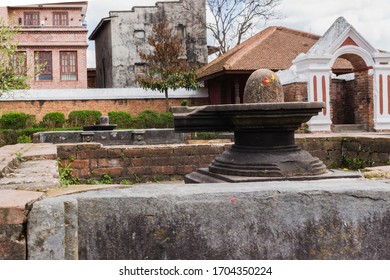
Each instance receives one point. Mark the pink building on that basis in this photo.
(55, 37)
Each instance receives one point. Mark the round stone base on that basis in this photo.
(204, 176)
(287, 161)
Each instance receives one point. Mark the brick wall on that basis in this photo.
(56, 82)
(351, 101)
(338, 108)
(165, 162)
(364, 103)
(4, 13)
(295, 92)
(134, 107)
(55, 39)
(369, 151)
(46, 15)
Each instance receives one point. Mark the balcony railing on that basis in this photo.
(50, 27)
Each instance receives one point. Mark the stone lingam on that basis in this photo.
(103, 125)
(264, 128)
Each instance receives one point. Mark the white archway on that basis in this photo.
(315, 68)
(365, 55)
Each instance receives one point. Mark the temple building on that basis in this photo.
(340, 68)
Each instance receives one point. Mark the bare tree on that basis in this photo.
(232, 20)
(166, 70)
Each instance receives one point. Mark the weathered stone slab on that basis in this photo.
(35, 175)
(12, 242)
(41, 151)
(336, 219)
(46, 231)
(14, 207)
(14, 204)
(113, 137)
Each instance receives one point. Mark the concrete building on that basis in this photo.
(118, 37)
(53, 36)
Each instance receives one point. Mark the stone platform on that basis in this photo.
(337, 219)
(112, 137)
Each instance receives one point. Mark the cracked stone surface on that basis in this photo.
(329, 219)
(14, 208)
(25, 169)
(29, 167)
(32, 175)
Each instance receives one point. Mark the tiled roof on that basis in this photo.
(273, 48)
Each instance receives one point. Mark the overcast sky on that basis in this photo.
(369, 17)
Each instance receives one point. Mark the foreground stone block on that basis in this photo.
(334, 219)
(14, 207)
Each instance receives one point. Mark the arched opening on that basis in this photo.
(351, 93)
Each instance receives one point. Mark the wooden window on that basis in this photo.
(31, 19)
(69, 66)
(19, 63)
(60, 19)
(43, 66)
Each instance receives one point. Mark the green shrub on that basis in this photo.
(166, 120)
(8, 137)
(84, 117)
(24, 139)
(53, 120)
(122, 119)
(152, 119)
(16, 120)
(11, 136)
(147, 119)
(66, 177)
(204, 135)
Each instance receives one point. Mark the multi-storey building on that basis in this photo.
(119, 36)
(53, 37)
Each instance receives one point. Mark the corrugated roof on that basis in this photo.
(273, 48)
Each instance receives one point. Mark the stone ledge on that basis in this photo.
(14, 208)
(14, 204)
(335, 219)
(29, 167)
(10, 155)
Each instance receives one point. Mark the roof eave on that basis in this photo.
(227, 72)
(101, 24)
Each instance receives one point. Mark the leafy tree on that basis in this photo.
(166, 69)
(12, 64)
(231, 21)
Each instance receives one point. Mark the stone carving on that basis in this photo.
(104, 125)
(264, 146)
(263, 86)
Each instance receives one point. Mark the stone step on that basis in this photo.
(29, 167)
(35, 175)
(11, 155)
(339, 128)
